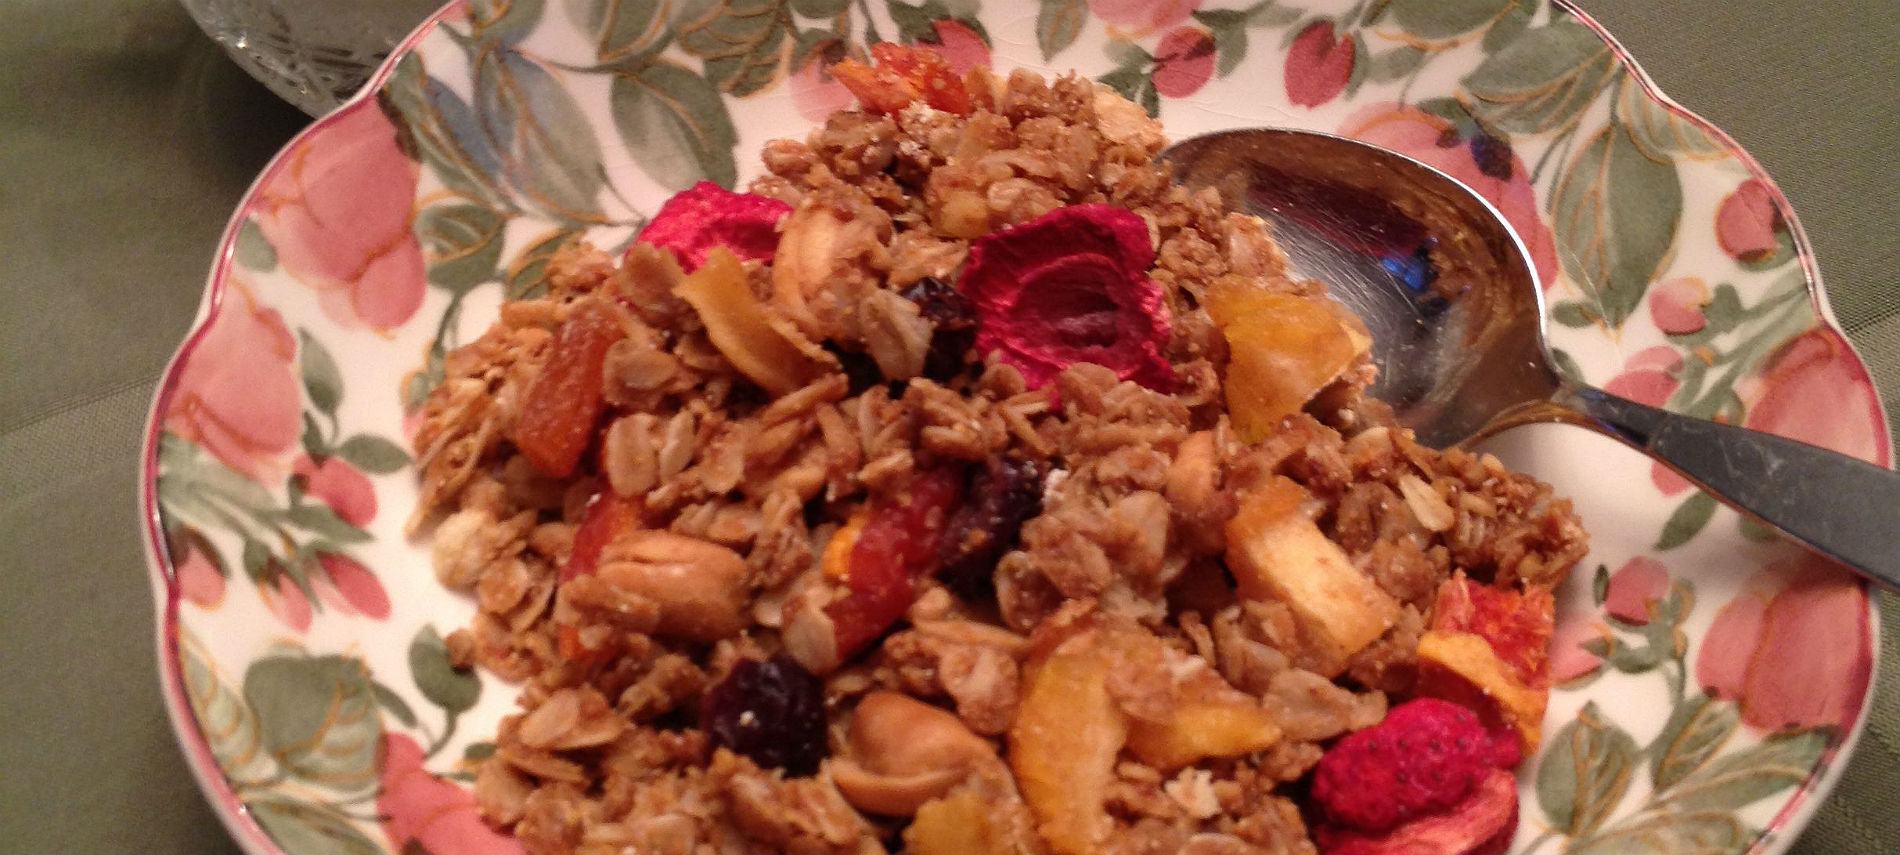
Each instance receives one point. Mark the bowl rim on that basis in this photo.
(1797, 811)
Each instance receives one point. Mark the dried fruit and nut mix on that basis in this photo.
(966, 486)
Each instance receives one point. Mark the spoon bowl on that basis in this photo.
(1457, 320)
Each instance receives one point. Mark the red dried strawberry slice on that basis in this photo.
(1071, 286)
(707, 215)
(1481, 824)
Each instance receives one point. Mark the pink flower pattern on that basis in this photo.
(199, 581)
(1318, 65)
(1676, 305)
(1635, 589)
(237, 393)
(1792, 649)
(1649, 376)
(1569, 659)
(1136, 18)
(344, 584)
(959, 45)
(1814, 389)
(422, 809)
(1748, 224)
(339, 217)
(1184, 62)
(287, 601)
(334, 482)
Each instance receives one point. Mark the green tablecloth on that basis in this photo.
(126, 138)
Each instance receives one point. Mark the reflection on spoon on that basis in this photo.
(1457, 320)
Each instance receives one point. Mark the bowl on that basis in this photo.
(1714, 680)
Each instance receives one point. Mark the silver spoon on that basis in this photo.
(1457, 320)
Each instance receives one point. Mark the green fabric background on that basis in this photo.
(126, 139)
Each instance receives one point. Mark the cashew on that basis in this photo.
(904, 752)
(699, 586)
(1194, 477)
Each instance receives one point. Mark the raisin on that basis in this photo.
(772, 712)
(860, 370)
(954, 318)
(1001, 496)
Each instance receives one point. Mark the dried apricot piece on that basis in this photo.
(904, 75)
(608, 516)
(1210, 719)
(1063, 744)
(880, 90)
(897, 544)
(558, 416)
(1518, 624)
(1284, 348)
(927, 73)
(1489, 649)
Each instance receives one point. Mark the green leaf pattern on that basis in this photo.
(1704, 769)
(317, 717)
(300, 825)
(1616, 214)
(743, 44)
(1585, 771)
(678, 121)
(1542, 80)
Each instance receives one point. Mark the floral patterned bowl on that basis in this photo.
(1715, 681)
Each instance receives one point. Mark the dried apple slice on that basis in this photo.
(1277, 553)
(768, 351)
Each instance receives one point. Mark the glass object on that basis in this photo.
(313, 53)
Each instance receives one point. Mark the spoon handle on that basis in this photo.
(1841, 507)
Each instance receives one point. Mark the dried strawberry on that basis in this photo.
(1482, 823)
(1071, 286)
(1426, 756)
(707, 215)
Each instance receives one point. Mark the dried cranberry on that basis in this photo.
(954, 319)
(860, 370)
(771, 711)
(1001, 497)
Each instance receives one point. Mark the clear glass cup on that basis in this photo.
(313, 53)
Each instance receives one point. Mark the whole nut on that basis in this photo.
(700, 586)
(904, 752)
